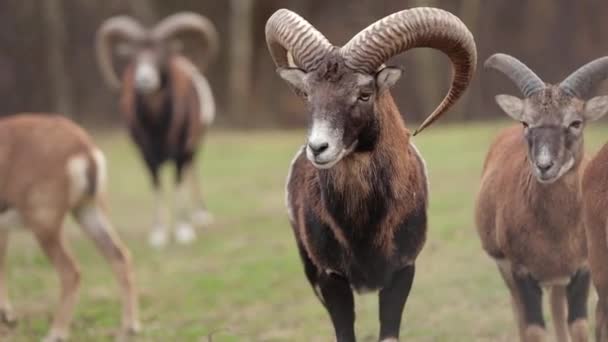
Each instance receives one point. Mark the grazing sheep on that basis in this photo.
(529, 207)
(168, 106)
(50, 168)
(357, 192)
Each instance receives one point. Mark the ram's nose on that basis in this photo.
(318, 147)
(545, 166)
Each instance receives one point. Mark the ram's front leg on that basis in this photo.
(392, 302)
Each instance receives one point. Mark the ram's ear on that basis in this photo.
(596, 108)
(295, 78)
(387, 77)
(511, 105)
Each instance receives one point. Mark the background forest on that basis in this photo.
(47, 59)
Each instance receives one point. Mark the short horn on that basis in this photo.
(584, 80)
(116, 27)
(287, 32)
(418, 27)
(524, 78)
(190, 22)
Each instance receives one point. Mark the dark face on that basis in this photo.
(150, 57)
(341, 103)
(553, 128)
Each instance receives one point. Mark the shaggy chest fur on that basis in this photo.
(365, 226)
(166, 125)
(157, 131)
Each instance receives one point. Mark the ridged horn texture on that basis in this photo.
(287, 32)
(116, 27)
(417, 27)
(584, 80)
(523, 77)
(189, 22)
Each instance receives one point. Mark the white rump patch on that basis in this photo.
(203, 90)
(290, 212)
(77, 174)
(102, 171)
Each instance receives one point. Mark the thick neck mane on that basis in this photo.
(364, 181)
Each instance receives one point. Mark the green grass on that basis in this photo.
(242, 280)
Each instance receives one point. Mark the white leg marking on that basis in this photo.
(159, 236)
(77, 172)
(290, 212)
(199, 216)
(184, 232)
(390, 339)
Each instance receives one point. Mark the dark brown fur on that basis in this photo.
(185, 108)
(351, 178)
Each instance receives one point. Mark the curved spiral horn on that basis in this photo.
(418, 27)
(287, 32)
(584, 80)
(524, 78)
(188, 21)
(120, 26)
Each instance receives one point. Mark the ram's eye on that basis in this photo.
(525, 124)
(364, 97)
(576, 124)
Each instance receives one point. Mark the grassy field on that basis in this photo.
(242, 280)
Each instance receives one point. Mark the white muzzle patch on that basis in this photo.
(147, 77)
(322, 133)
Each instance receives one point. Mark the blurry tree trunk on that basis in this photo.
(241, 54)
(54, 26)
(429, 72)
(144, 11)
(471, 101)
